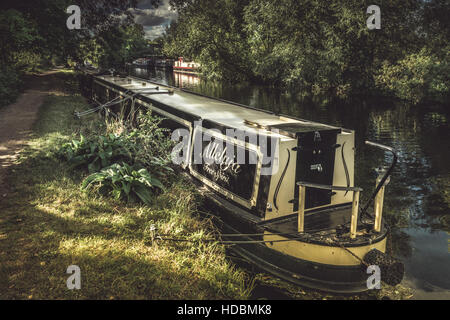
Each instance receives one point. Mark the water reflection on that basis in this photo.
(183, 80)
(418, 197)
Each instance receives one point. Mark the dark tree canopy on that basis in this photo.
(315, 45)
(319, 46)
(46, 22)
(34, 35)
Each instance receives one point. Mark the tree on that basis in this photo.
(53, 38)
(212, 33)
(16, 34)
(314, 45)
(34, 33)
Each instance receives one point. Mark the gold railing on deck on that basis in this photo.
(378, 204)
(301, 203)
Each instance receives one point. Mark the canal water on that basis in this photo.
(417, 199)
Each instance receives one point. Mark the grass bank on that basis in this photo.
(47, 224)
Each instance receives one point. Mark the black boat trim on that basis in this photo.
(277, 189)
(300, 280)
(386, 175)
(247, 203)
(347, 177)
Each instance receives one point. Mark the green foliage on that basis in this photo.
(29, 61)
(17, 33)
(114, 47)
(146, 141)
(144, 152)
(318, 47)
(212, 33)
(150, 145)
(10, 84)
(52, 223)
(36, 35)
(135, 44)
(124, 182)
(33, 36)
(417, 78)
(96, 153)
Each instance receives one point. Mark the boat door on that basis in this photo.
(315, 164)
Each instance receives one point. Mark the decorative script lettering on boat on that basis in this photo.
(225, 163)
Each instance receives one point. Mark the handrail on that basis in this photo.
(378, 193)
(327, 187)
(386, 175)
(301, 203)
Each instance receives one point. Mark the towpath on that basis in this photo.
(16, 121)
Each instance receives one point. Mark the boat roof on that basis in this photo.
(220, 111)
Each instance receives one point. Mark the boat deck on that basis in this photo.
(314, 221)
(321, 226)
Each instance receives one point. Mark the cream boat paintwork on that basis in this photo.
(339, 178)
(286, 192)
(324, 254)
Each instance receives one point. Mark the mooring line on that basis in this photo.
(107, 104)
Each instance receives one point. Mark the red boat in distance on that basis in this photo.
(186, 67)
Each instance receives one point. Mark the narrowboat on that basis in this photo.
(282, 187)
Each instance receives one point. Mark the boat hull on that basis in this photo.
(185, 70)
(330, 275)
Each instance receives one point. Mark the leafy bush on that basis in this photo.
(10, 83)
(28, 61)
(96, 153)
(149, 144)
(124, 182)
(144, 152)
(417, 78)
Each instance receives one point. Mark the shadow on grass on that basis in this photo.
(34, 265)
(49, 224)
